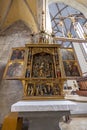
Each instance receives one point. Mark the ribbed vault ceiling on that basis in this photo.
(15, 10)
(25, 10)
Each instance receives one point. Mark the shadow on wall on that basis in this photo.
(11, 91)
(2, 68)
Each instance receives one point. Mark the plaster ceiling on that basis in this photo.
(14, 10)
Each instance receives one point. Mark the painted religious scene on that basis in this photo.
(15, 66)
(17, 54)
(14, 70)
(67, 54)
(71, 67)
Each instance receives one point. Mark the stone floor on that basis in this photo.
(76, 123)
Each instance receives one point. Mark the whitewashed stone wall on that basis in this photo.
(10, 91)
(81, 59)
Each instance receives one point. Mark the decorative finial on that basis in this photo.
(43, 21)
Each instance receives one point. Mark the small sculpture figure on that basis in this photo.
(45, 89)
(30, 90)
(41, 40)
(41, 71)
(56, 90)
(29, 57)
(37, 90)
(28, 73)
(49, 90)
(58, 73)
(69, 34)
(22, 54)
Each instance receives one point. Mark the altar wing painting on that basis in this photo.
(18, 54)
(67, 54)
(71, 68)
(70, 63)
(14, 70)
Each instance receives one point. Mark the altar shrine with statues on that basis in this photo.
(42, 68)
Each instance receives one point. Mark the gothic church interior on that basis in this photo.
(43, 56)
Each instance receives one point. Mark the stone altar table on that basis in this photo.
(43, 115)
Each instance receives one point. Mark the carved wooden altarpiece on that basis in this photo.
(43, 69)
(38, 66)
(43, 76)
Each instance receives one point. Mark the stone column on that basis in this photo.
(42, 5)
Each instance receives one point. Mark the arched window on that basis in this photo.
(64, 19)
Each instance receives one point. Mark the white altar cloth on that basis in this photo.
(31, 106)
(43, 115)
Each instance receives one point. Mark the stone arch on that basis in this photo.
(76, 5)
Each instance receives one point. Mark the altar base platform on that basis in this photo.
(43, 115)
